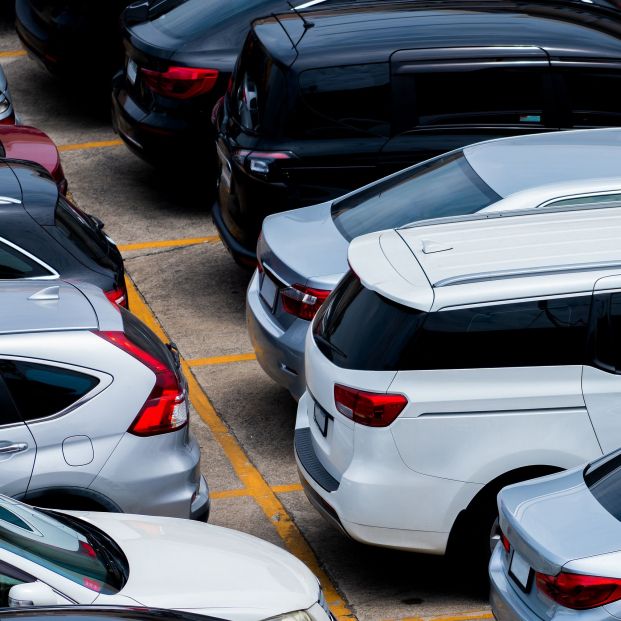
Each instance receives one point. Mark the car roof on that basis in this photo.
(369, 32)
(510, 165)
(530, 255)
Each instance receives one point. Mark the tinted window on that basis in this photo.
(603, 478)
(40, 390)
(589, 97)
(446, 186)
(359, 329)
(352, 98)
(15, 264)
(499, 96)
(82, 233)
(608, 339)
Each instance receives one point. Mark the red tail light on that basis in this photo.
(180, 82)
(303, 302)
(368, 408)
(505, 542)
(87, 549)
(165, 409)
(117, 296)
(260, 163)
(579, 592)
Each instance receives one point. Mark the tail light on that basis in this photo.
(579, 592)
(303, 302)
(180, 82)
(261, 163)
(505, 542)
(165, 409)
(368, 408)
(118, 296)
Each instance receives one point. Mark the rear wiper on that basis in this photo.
(324, 341)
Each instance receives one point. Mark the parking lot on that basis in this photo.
(183, 283)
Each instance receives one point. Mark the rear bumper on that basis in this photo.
(279, 352)
(243, 256)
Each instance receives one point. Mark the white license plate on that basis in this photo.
(520, 570)
(132, 71)
(321, 420)
(269, 291)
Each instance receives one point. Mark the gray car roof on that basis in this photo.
(510, 165)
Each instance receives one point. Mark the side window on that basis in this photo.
(600, 200)
(539, 333)
(608, 339)
(498, 96)
(40, 390)
(349, 99)
(15, 264)
(588, 92)
(8, 413)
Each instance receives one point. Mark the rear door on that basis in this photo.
(448, 98)
(17, 446)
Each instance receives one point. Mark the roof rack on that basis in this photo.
(524, 272)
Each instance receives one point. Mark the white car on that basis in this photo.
(457, 358)
(52, 558)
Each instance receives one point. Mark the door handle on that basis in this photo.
(17, 447)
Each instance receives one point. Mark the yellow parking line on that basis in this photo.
(202, 362)
(283, 489)
(236, 493)
(12, 53)
(245, 470)
(170, 243)
(459, 617)
(82, 146)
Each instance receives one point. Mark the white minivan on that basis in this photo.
(459, 357)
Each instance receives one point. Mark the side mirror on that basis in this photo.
(32, 594)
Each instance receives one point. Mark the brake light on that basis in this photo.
(87, 549)
(368, 408)
(165, 409)
(579, 592)
(505, 542)
(180, 82)
(303, 302)
(117, 296)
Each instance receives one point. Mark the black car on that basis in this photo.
(8, 578)
(323, 104)
(79, 39)
(43, 235)
(178, 63)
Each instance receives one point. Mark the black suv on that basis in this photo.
(326, 102)
(44, 236)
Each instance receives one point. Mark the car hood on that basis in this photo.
(182, 564)
(28, 143)
(303, 246)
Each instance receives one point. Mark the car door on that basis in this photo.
(601, 380)
(17, 447)
(448, 98)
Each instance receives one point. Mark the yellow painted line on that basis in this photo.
(83, 146)
(237, 493)
(283, 489)
(170, 243)
(245, 470)
(13, 54)
(459, 617)
(203, 362)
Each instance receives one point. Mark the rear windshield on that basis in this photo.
(442, 187)
(82, 232)
(15, 264)
(357, 328)
(603, 478)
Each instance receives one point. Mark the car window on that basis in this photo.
(359, 329)
(15, 264)
(608, 332)
(603, 478)
(9, 577)
(445, 186)
(8, 412)
(40, 390)
(600, 200)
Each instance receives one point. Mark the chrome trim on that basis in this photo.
(16, 447)
(7, 200)
(567, 197)
(566, 410)
(275, 276)
(53, 273)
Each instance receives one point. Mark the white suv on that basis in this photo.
(456, 358)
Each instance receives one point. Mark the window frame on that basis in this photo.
(551, 203)
(52, 273)
(600, 310)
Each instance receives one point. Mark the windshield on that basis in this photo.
(442, 187)
(66, 545)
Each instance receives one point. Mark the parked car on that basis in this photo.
(560, 557)
(19, 142)
(86, 613)
(179, 59)
(79, 39)
(374, 88)
(115, 559)
(43, 235)
(94, 408)
(455, 359)
(7, 112)
(302, 254)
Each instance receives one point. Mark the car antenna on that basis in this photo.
(307, 24)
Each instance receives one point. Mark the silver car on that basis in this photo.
(93, 406)
(303, 253)
(560, 550)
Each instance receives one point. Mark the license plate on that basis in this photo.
(520, 570)
(321, 420)
(269, 291)
(132, 71)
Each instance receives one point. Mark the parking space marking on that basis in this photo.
(203, 362)
(236, 493)
(247, 473)
(97, 144)
(170, 243)
(13, 53)
(458, 617)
